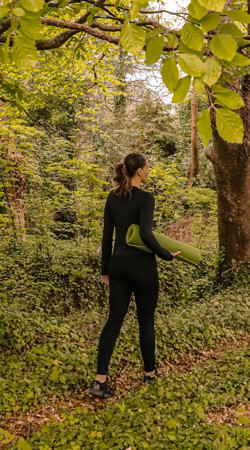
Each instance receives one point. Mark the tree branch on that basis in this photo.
(76, 27)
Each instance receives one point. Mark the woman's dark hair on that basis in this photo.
(126, 170)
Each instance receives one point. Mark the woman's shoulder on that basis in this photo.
(148, 195)
(142, 194)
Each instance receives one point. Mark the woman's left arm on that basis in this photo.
(107, 238)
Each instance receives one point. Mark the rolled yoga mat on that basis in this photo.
(189, 254)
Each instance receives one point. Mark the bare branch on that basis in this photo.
(77, 27)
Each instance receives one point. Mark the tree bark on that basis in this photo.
(16, 186)
(231, 164)
(194, 140)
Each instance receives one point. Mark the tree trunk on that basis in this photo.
(15, 185)
(16, 190)
(194, 140)
(231, 164)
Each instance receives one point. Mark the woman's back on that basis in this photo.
(125, 211)
(138, 208)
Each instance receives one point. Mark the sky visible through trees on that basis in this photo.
(151, 75)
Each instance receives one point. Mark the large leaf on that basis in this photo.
(154, 49)
(215, 5)
(172, 40)
(204, 126)
(185, 49)
(230, 28)
(237, 15)
(229, 125)
(4, 11)
(212, 69)
(132, 38)
(192, 36)
(198, 84)
(181, 90)
(32, 5)
(32, 27)
(223, 46)
(24, 52)
(226, 97)
(190, 64)
(135, 8)
(170, 74)
(18, 12)
(196, 10)
(240, 60)
(210, 21)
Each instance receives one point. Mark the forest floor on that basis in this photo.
(28, 423)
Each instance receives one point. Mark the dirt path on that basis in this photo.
(26, 424)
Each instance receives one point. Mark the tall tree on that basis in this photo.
(13, 179)
(194, 139)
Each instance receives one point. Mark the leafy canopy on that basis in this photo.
(212, 42)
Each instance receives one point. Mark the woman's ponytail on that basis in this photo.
(125, 170)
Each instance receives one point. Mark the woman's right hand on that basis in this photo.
(175, 254)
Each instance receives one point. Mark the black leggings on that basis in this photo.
(137, 273)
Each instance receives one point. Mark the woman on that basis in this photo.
(128, 268)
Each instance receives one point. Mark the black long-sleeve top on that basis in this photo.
(120, 213)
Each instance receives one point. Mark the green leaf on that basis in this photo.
(90, 19)
(132, 38)
(226, 97)
(230, 28)
(4, 11)
(154, 49)
(5, 49)
(192, 36)
(200, 412)
(181, 90)
(237, 15)
(32, 27)
(19, 12)
(198, 84)
(193, 20)
(32, 5)
(223, 46)
(215, 5)
(196, 10)
(229, 125)
(243, 419)
(190, 64)
(212, 69)
(170, 73)
(171, 423)
(14, 23)
(204, 126)
(94, 9)
(210, 21)
(184, 49)
(134, 10)
(22, 444)
(172, 40)
(240, 60)
(24, 51)
(154, 33)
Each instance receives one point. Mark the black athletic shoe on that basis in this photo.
(148, 379)
(102, 390)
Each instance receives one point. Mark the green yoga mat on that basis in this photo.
(189, 254)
